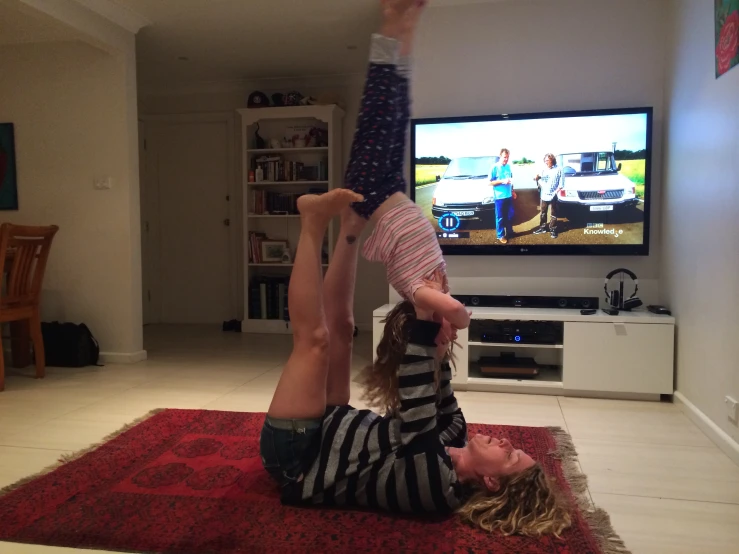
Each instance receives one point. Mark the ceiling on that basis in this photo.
(228, 40)
(18, 26)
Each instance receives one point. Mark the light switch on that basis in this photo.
(103, 183)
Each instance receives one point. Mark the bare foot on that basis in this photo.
(408, 27)
(323, 207)
(352, 225)
(393, 16)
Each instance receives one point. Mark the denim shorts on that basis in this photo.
(289, 447)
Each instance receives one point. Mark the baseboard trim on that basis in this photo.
(123, 357)
(720, 438)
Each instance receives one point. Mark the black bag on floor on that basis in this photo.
(69, 345)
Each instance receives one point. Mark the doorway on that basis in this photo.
(187, 185)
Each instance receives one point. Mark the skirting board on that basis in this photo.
(719, 437)
(123, 357)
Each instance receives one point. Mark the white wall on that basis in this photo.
(74, 110)
(516, 57)
(700, 266)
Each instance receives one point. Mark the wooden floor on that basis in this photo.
(667, 487)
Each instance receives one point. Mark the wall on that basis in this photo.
(516, 57)
(74, 109)
(226, 97)
(700, 261)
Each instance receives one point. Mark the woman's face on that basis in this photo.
(548, 161)
(489, 459)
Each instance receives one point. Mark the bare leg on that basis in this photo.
(339, 305)
(301, 392)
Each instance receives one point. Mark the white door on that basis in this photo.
(189, 165)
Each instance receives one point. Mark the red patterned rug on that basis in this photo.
(191, 481)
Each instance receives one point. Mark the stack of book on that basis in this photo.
(268, 298)
(255, 247)
(274, 203)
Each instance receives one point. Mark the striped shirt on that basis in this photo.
(405, 241)
(397, 463)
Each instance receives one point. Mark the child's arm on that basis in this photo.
(452, 310)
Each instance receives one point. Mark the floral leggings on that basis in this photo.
(378, 151)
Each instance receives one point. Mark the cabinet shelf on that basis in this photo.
(276, 264)
(270, 216)
(279, 183)
(515, 345)
(309, 149)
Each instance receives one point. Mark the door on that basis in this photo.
(149, 255)
(190, 162)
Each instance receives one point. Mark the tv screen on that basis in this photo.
(549, 183)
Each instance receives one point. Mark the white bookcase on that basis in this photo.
(272, 124)
(630, 355)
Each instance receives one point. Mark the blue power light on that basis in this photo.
(517, 338)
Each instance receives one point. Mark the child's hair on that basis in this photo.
(527, 503)
(380, 379)
(505, 151)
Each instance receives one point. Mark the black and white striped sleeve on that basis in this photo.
(449, 417)
(416, 385)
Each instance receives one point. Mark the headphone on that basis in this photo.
(617, 298)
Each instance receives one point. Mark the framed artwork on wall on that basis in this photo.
(727, 35)
(8, 175)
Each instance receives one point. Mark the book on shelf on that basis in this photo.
(275, 169)
(265, 202)
(268, 298)
(255, 246)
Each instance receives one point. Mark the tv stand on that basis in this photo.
(630, 355)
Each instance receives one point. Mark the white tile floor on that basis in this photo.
(667, 487)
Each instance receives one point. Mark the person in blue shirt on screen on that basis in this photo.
(501, 179)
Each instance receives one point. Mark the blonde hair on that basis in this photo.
(527, 503)
(380, 380)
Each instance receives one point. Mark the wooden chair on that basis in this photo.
(24, 252)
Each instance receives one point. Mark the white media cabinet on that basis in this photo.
(625, 356)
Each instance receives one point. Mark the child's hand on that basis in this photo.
(438, 281)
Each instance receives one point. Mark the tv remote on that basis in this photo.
(659, 310)
(610, 311)
(588, 312)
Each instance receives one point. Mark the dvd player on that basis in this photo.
(522, 332)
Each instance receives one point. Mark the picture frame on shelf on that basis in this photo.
(274, 250)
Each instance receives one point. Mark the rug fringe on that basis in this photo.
(67, 458)
(597, 518)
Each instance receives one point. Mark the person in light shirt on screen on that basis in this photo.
(501, 179)
(550, 182)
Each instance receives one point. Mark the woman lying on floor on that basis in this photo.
(415, 460)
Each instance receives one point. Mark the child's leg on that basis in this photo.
(338, 287)
(373, 140)
(378, 150)
(301, 392)
(395, 173)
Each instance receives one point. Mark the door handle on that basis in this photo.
(227, 222)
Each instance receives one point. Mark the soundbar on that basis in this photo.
(551, 302)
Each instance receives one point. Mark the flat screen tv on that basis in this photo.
(574, 182)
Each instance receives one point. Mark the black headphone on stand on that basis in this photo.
(616, 298)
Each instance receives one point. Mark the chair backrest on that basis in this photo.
(24, 252)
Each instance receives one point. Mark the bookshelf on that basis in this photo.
(293, 167)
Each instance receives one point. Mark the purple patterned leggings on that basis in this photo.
(376, 161)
